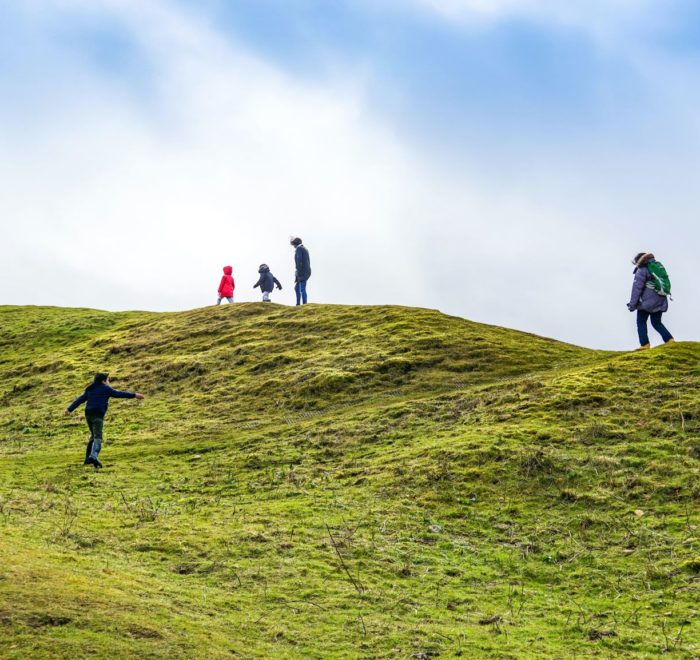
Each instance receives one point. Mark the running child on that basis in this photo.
(96, 399)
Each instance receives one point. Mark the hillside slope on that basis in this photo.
(337, 481)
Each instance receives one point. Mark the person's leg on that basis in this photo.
(88, 449)
(297, 290)
(218, 300)
(266, 296)
(660, 327)
(230, 299)
(302, 287)
(97, 424)
(642, 318)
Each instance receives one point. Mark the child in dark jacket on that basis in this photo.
(226, 286)
(266, 282)
(96, 399)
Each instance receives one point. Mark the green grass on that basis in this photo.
(335, 481)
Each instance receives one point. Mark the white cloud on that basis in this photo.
(114, 200)
(238, 157)
(555, 9)
(603, 18)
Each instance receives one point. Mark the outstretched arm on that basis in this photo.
(79, 401)
(118, 394)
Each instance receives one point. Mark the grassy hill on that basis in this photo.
(344, 482)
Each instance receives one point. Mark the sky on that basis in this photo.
(499, 160)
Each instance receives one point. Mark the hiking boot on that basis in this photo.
(671, 341)
(96, 462)
(643, 347)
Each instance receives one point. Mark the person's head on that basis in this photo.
(642, 258)
(228, 270)
(295, 242)
(100, 377)
(264, 268)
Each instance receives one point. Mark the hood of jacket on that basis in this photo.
(228, 270)
(644, 259)
(264, 268)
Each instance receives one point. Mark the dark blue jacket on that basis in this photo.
(303, 264)
(96, 399)
(267, 281)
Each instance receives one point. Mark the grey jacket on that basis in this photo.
(302, 263)
(645, 297)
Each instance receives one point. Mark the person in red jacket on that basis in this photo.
(227, 286)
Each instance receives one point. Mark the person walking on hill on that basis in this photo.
(302, 264)
(266, 282)
(96, 399)
(226, 286)
(650, 291)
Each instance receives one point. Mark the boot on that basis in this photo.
(88, 451)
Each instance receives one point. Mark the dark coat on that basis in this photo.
(303, 264)
(96, 398)
(267, 281)
(644, 296)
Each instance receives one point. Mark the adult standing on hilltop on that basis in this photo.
(226, 286)
(650, 291)
(302, 273)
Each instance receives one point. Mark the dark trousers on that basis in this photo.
(300, 290)
(95, 423)
(642, 318)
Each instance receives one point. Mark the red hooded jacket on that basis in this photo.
(227, 284)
